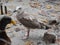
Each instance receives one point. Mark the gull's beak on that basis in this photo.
(13, 22)
(15, 11)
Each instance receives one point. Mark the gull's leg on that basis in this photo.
(27, 34)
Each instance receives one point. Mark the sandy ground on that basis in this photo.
(35, 34)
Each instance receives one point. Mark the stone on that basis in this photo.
(49, 38)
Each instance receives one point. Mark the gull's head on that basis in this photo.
(19, 9)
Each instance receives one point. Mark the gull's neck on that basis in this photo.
(20, 13)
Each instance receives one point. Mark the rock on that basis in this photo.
(48, 6)
(49, 38)
(29, 43)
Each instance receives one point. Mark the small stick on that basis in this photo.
(5, 10)
(1, 9)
